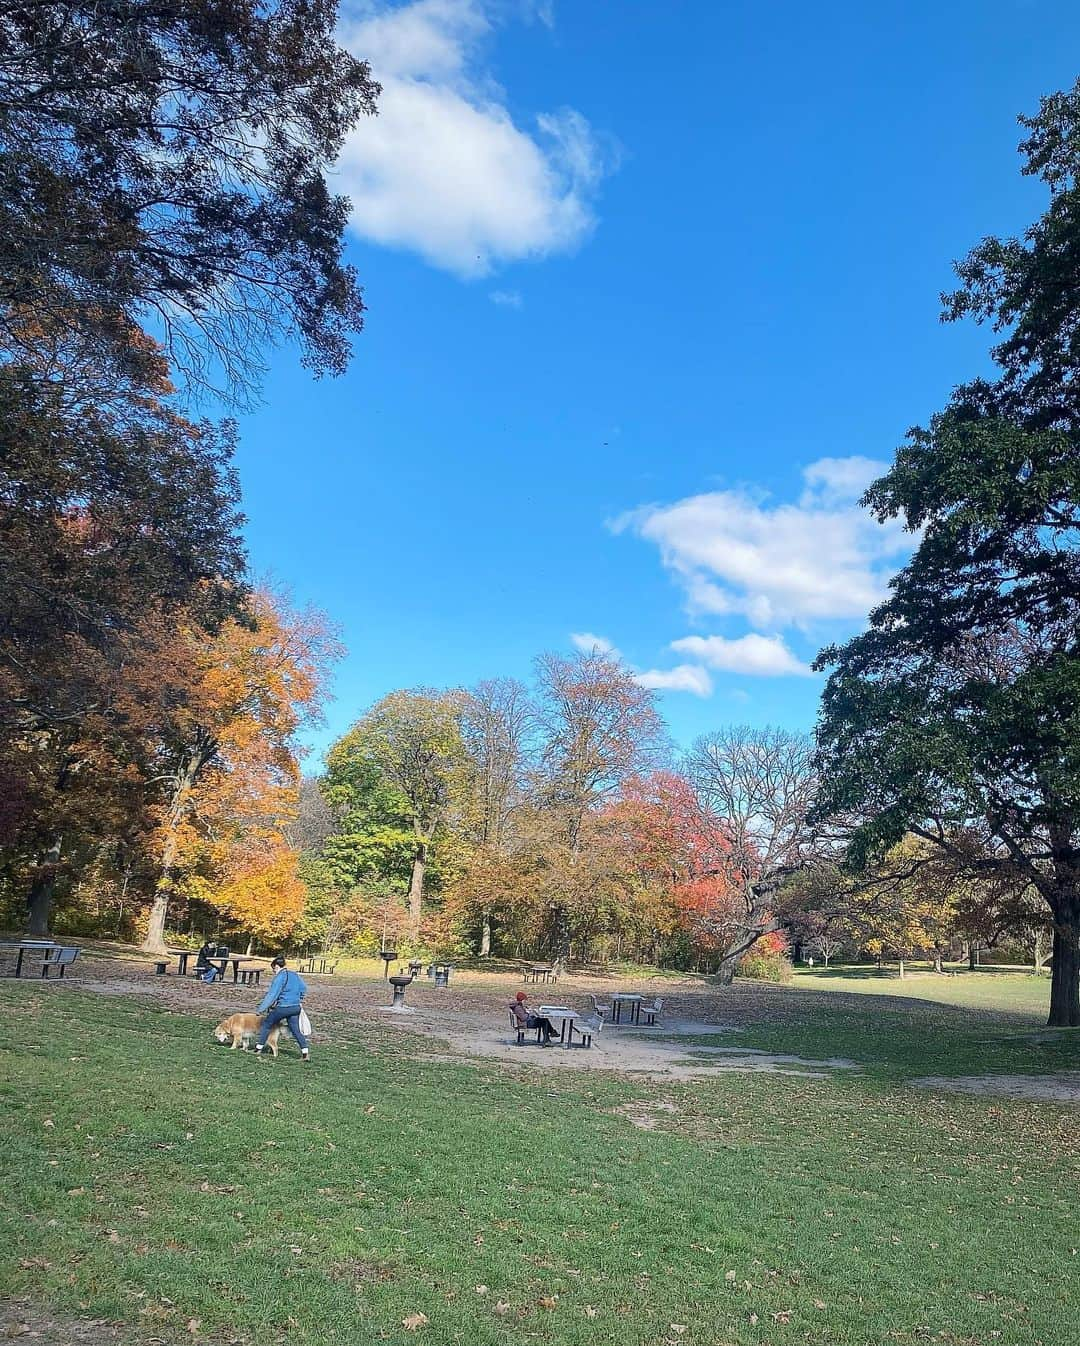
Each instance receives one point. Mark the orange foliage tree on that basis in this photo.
(230, 767)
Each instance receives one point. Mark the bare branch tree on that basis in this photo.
(761, 782)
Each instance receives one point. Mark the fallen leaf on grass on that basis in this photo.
(193, 1325)
(369, 1109)
(502, 1308)
(753, 1320)
(819, 1303)
(547, 1301)
(413, 1321)
(481, 1289)
(677, 1328)
(784, 1316)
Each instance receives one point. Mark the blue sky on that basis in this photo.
(652, 288)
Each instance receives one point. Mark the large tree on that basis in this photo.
(408, 749)
(957, 714)
(166, 166)
(598, 728)
(228, 767)
(761, 784)
(114, 517)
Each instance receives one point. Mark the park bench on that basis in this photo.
(61, 957)
(601, 1011)
(650, 1013)
(520, 1030)
(586, 1029)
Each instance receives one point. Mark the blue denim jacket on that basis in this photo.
(287, 988)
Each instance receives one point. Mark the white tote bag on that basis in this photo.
(305, 1022)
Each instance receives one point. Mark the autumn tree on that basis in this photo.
(762, 784)
(167, 165)
(497, 719)
(228, 767)
(115, 517)
(409, 748)
(598, 727)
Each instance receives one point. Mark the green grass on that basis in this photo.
(992, 989)
(156, 1179)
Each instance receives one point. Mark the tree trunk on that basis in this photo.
(155, 930)
(416, 888)
(1065, 976)
(901, 962)
(485, 934)
(973, 957)
(1038, 955)
(938, 963)
(39, 898)
(185, 781)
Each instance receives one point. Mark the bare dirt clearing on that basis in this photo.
(1062, 1087)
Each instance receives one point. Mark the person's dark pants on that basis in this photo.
(545, 1025)
(289, 1015)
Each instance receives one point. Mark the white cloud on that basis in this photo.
(839, 480)
(588, 643)
(443, 169)
(506, 298)
(819, 559)
(683, 678)
(759, 656)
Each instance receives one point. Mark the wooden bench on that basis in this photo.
(520, 1030)
(61, 957)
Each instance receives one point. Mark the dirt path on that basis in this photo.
(1061, 1087)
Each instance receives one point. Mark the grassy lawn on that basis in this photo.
(196, 1194)
(992, 989)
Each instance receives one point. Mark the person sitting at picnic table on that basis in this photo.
(282, 1004)
(521, 1013)
(204, 968)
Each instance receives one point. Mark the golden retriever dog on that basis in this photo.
(241, 1028)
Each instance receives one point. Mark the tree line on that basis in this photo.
(164, 218)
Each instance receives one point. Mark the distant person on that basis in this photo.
(281, 1004)
(810, 961)
(526, 1019)
(204, 968)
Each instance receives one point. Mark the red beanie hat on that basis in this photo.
(521, 996)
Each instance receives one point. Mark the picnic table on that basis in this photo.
(537, 972)
(185, 955)
(324, 962)
(26, 946)
(564, 1016)
(632, 1003)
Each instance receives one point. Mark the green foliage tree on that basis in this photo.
(957, 714)
(405, 758)
(167, 163)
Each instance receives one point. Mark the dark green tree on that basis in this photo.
(956, 715)
(165, 166)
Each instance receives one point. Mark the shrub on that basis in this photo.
(767, 961)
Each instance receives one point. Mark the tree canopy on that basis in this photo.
(957, 713)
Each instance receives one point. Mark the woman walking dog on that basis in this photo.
(282, 1004)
